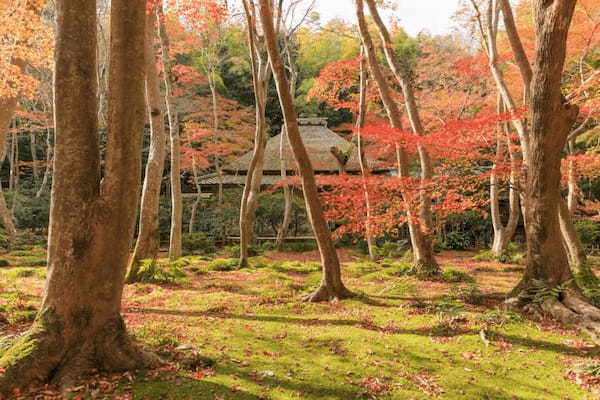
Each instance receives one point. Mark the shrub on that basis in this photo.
(297, 267)
(153, 271)
(224, 264)
(20, 273)
(399, 269)
(455, 276)
(484, 255)
(198, 243)
(32, 261)
(391, 249)
(234, 251)
(589, 232)
(4, 262)
(457, 241)
(358, 269)
(4, 240)
(300, 247)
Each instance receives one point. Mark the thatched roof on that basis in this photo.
(320, 142)
(326, 150)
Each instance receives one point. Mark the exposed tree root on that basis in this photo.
(571, 308)
(327, 293)
(42, 355)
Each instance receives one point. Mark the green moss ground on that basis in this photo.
(402, 338)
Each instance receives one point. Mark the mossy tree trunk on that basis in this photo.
(79, 327)
(331, 287)
(148, 240)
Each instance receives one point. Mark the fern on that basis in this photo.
(539, 291)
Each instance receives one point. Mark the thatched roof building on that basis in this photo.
(329, 153)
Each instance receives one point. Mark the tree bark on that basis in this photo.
(517, 48)
(148, 240)
(195, 175)
(360, 124)
(175, 174)
(503, 234)
(551, 120)
(288, 191)
(424, 260)
(7, 109)
(48, 164)
(215, 115)
(79, 327)
(425, 253)
(261, 75)
(331, 286)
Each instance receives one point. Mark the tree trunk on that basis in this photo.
(148, 240)
(34, 160)
(424, 260)
(503, 234)
(195, 174)
(79, 327)
(575, 250)
(288, 191)
(261, 74)
(175, 175)
(7, 109)
(215, 115)
(551, 120)
(331, 284)
(48, 165)
(360, 124)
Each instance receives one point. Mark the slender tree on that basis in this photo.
(331, 286)
(79, 327)
(424, 260)
(261, 75)
(148, 240)
(174, 139)
(360, 124)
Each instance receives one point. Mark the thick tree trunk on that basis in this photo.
(424, 260)
(173, 117)
(261, 75)
(551, 121)
(79, 327)
(148, 240)
(331, 285)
